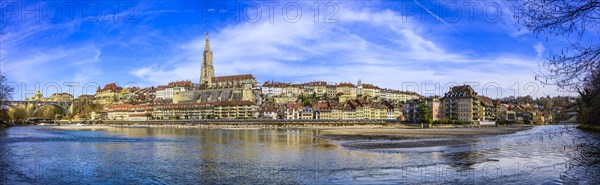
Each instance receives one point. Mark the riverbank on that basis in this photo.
(5, 124)
(253, 124)
(221, 126)
(413, 138)
(427, 133)
(591, 128)
(284, 125)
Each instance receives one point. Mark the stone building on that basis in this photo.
(234, 88)
(108, 95)
(61, 97)
(167, 92)
(463, 103)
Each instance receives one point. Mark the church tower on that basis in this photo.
(207, 71)
(359, 87)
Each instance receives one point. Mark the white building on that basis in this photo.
(167, 92)
(272, 90)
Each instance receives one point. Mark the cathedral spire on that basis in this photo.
(207, 71)
(207, 45)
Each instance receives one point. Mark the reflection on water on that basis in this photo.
(544, 154)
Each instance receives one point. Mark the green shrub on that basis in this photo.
(429, 121)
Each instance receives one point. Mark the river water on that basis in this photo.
(38, 155)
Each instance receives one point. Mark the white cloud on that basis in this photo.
(341, 51)
(88, 69)
(27, 68)
(539, 50)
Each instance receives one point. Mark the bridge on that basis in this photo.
(65, 106)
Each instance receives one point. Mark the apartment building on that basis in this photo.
(463, 103)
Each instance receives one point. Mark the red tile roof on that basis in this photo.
(233, 77)
(346, 85)
(316, 83)
(293, 105)
(138, 115)
(369, 86)
(111, 86)
(278, 84)
(185, 83)
(461, 91)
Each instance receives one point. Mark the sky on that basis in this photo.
(421, 46)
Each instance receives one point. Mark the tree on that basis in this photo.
(577, 66)
(5, 95)
(548, 105)
(574, 20)
(48, 112)
(589, 108)
(304, 100)
(525, 99)
(19, 114)
(5, 90)
(307, 103)
(367, 98)
(423, 113)
(85, 107)
(325, 97)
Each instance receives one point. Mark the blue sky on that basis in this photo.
(422, 46)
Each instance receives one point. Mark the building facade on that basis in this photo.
(463, 103)
(215, 110)
(111, 93)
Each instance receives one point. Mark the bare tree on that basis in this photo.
(576, 20)
(577, 66)
(5, 95)
(5, 91)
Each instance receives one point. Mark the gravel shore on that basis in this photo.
(413, 138)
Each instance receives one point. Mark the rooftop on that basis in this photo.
(233, 77)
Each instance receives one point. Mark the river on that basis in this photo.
(168, 155)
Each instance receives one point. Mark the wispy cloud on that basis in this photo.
(307, 51)
(539, 50)
(377, 44)
(436, 17)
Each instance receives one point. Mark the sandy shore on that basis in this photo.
(408, 144)
(430, 133)
(412, 138)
